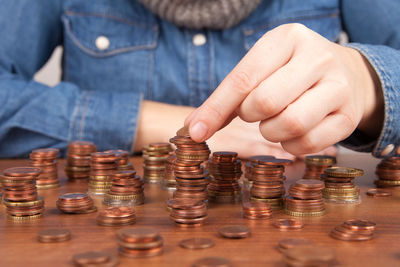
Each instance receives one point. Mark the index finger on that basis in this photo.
(268, 54)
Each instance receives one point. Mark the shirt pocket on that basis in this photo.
(105, 51)
(326, 22)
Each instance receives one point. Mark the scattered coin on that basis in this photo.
(139, 242)
(376, 192)
(54, 235)
(354, 230)
(309, 255)
(234, 231)
(196, 243)
(287, 243)
(95, 258)
(288, 224)
(212, 262)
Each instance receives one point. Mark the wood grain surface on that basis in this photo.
(19, 246)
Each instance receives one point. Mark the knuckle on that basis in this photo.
(293, 125)
(243, 82)
(213, 113)
(308, 145)
(266, 105)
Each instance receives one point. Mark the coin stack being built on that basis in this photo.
(316, 164)
(46, 160)
(190, 175)
(116, 216)
(339, 185)
(102, 166)
(268, 181)
(187, 212)
(155, 156)
(126, 189)
(78, 159)
(169, 179)
(225, 170)
(20, 193)
(256, 210)
(77, 203)
(139, 242)
(123, 162)
(305, 198)
(354, 230)
(388, 172)
(249, 164)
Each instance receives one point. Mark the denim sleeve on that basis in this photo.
(373, 31)
(33, 115)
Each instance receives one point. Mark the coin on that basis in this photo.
(91, 257)
(292, 242)
(288, 224)
(54, 235)
(212, 262)
(196, 243)
(309, 255)
(234, 231)
(184, 131)
(375, 192)
(343, 172)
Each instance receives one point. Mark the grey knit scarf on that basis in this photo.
(198, 14)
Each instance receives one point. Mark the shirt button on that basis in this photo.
(102, 42)
(387, 150)
(199, 39)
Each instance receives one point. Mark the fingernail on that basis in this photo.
(198, 131)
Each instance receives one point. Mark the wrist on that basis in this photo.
(158, 122)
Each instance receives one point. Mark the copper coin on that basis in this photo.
(293, 242)
(234, 231)
(288, 224)
(375, 192)
(91, 257)
(184, 131)
(54, 235)
(117, 212)
(196, 243)
(141, 253)
(212, 262)
(307, 255)
(73, 196)
(359, 224)
(137, 234)
(22, 172)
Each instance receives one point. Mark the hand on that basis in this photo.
(305, 91)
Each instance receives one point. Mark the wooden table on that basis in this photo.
(20, 248)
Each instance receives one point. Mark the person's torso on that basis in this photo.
(120, 45)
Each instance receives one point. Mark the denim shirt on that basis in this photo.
(103, 83)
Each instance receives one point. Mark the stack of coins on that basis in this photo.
(123, 162)
(102, 166)
(257, 210)
(249, 164)
(268, 181)
(126, 189)
(187, 212)
(305, 198)
(20, 193)
(354, 230)
(95, 258)
(309, 255)
(388, 172)
(169, 179)
(78, 159)
(316, 164)
(46, 160)
(154, 157)
(77, 203)
(339, 185)
(225, 171)
(190, 175)
(116, 216)
(139, 242)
